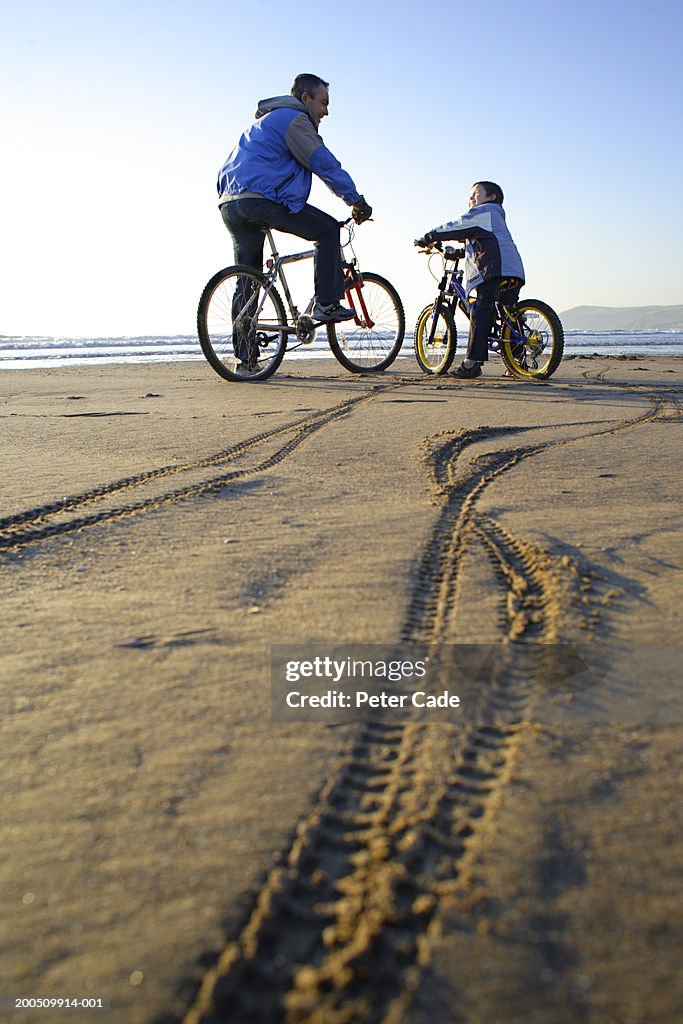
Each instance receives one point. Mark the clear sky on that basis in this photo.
(114, 119)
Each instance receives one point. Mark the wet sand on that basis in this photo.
(169, 848)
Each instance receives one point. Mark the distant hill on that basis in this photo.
(623, 318)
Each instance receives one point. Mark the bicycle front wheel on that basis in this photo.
(435, 343)
(372, 341)
(242, 325)
(537, 351)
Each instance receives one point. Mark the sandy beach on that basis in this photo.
(168, 848)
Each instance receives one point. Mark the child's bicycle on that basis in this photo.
(240, 311)
(528, 336)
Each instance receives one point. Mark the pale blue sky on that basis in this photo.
(114, 118)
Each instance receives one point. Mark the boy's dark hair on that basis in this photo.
(309, 84)
(494, 191)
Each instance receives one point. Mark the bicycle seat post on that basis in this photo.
(271, 243)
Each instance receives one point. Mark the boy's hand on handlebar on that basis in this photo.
(425, 242)
(361, 211)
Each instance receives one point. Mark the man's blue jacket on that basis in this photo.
(277, 156)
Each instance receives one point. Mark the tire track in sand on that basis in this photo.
(344, 924)
(249, 458)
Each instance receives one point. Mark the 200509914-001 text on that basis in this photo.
(7, 1004)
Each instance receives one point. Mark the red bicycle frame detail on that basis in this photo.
(356, 286)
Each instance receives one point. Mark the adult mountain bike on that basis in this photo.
(527, 335)
(240, 306)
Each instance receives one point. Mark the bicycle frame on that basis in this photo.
(450, 287)
(274, 271)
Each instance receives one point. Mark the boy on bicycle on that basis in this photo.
(491, 261)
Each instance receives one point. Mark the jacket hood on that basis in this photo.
(277, 103)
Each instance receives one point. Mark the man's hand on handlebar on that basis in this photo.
(361, 211)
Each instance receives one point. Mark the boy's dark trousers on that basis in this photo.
(483, 314)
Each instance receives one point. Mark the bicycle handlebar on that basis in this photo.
(350, 220)
(448, 251)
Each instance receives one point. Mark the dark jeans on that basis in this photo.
(247, 219)
(483, 314)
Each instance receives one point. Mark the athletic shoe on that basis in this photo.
(332, 314)
(246, 370)
(467, 373)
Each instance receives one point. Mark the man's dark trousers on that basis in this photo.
(247, 219)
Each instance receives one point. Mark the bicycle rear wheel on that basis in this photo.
(435, 351)
(541, 352)
(369, 343)
(237, 325)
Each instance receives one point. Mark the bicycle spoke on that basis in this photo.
(435, 340)
(241, 324)
(535, 347)
(359, 346)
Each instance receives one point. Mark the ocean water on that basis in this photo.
(23, 353)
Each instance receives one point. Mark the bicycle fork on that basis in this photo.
(353, 285)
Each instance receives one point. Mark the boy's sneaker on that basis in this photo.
(334, 313)
(467, 372)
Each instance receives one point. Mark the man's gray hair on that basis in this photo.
(309, 84)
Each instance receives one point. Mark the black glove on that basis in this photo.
(424, 242)
(360, 211)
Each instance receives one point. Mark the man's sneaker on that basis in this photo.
(467, 373)
(246, 369)
(332, 314)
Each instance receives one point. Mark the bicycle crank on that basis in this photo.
(305, 329)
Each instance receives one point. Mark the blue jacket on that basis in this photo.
(490, 251)
(278, 156)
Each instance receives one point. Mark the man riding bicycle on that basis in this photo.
(266, 182)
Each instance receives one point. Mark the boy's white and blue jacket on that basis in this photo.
(490, 251)
(277, 156)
